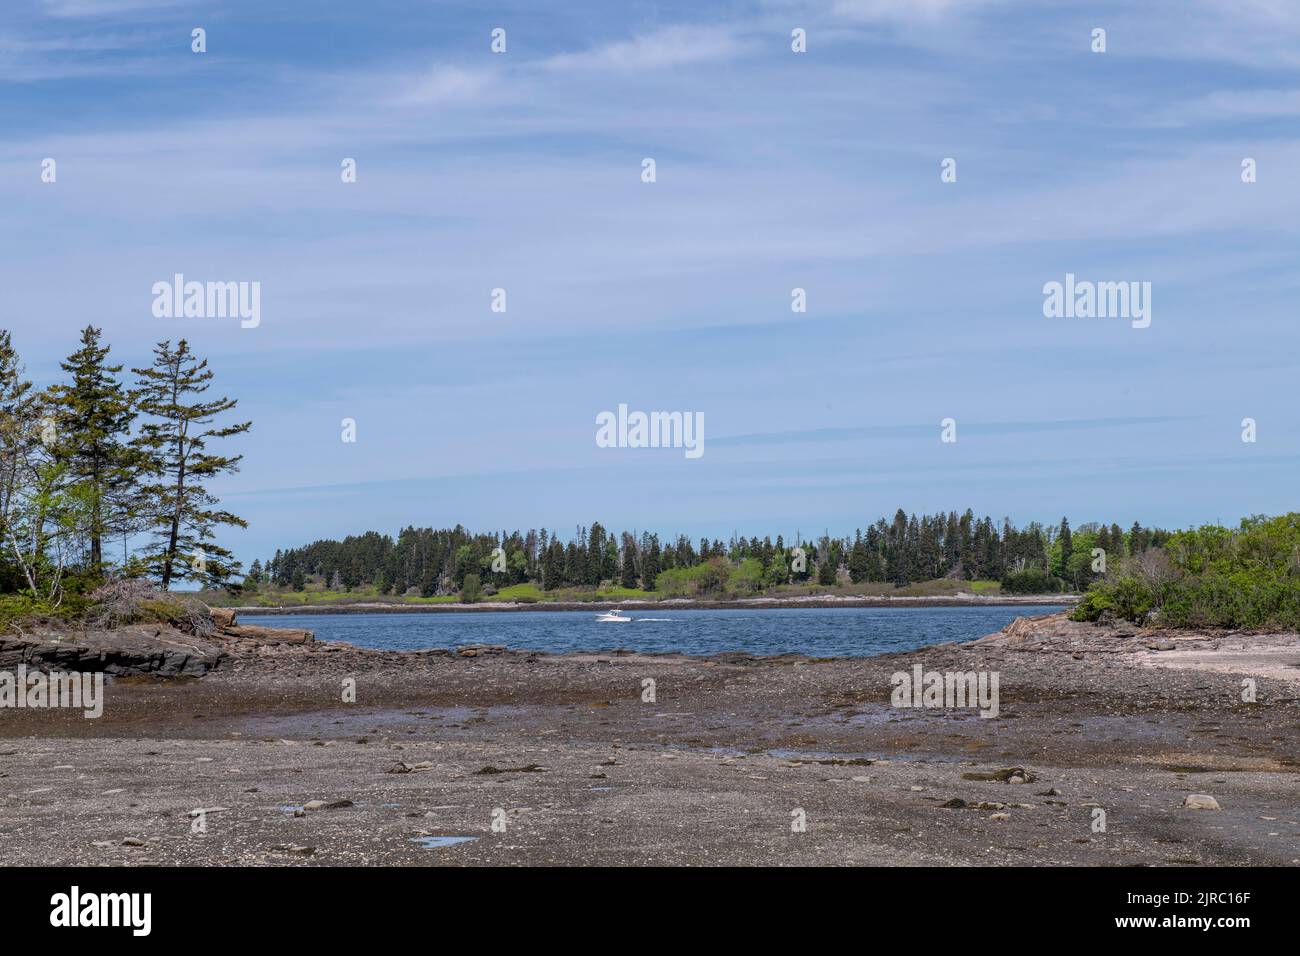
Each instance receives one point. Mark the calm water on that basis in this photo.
(819, 632)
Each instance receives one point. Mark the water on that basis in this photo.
(818, 632)
(438, 842)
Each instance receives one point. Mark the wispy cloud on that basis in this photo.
(973, 428)
(671, 46)
(1229, 105)
(907, 10)
(446, 84)
(76, 9)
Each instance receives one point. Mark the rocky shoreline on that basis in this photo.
(490, 756)
(157, 649)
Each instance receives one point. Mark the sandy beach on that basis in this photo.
(558, 759)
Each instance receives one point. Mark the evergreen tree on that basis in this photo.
(650, 565)
(174, 446)
(1067, 547)
(628, 578)
(94, 414)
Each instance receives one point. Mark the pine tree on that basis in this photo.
(182, 518)
(93, 416)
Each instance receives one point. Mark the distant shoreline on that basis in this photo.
(679, 604)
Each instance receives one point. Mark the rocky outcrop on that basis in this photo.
(1056, 632)
(157, 649)
(137, 649)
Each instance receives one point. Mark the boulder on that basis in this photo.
(223, 617)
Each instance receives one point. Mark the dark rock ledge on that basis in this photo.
(158, 649)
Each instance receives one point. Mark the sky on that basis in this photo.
(775, 170)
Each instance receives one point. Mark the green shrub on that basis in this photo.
(1209, 577)
(1030, 580)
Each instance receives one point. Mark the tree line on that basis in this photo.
(903, 551)
(93, 463)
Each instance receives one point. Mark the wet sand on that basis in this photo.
(572, 766)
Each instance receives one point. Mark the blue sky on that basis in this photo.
(775, 170)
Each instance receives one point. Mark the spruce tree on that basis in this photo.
(628, 578)
(650, 564)
(93, 415)
(183, 515)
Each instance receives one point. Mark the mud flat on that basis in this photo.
(581, 769)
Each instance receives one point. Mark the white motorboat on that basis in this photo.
(614, 615)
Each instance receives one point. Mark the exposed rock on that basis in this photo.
(404, 767)
(135, 649)
(295, 850)
(528, 768)
(223, 617)
(1008, 775)
(157, 649)
(1200, 801)
(268, 635)
(482, 650)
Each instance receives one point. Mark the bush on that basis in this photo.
(472, 589)
(674, 583)
(1209, 577)
(1030, 580)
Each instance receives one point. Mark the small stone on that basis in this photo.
(132, 841)
(1200, 801)
(1000, 816)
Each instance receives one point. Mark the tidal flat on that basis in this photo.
(486, 756)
